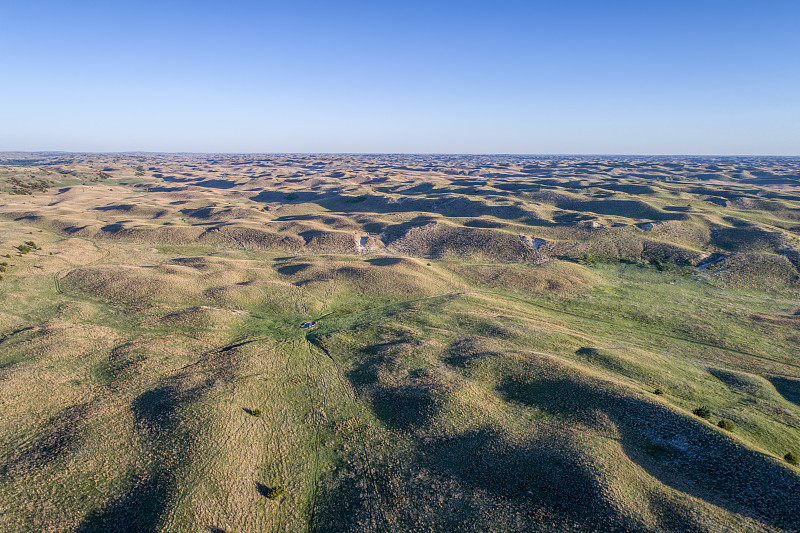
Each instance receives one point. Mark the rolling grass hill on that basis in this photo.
(501, 343)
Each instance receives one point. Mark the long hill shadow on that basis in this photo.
(532, 477)
(141, 508)
(788, 388)
(680, 452)
(456, 206)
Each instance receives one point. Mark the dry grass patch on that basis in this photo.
(552, 276)
(131, 285)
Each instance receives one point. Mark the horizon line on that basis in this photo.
(527, 154)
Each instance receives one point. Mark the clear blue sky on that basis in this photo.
(611, 77)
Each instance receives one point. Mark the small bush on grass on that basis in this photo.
(791, 458)
(273, 493)
(587, 259)
(702, 412)
(726, 424)
(659, 391)
(256, 412)
(662, 266)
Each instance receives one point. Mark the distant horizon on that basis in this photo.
(524, 154)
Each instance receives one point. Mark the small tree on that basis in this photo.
(702, 412)
(791, 458)
(275, 492)
(726, 424)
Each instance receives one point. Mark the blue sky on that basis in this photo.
(613, 77)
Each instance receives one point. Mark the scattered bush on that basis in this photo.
(702, 412)
(587, 259)
(662, 266)
(275, 492)
(726, 424)
(791, 458)
(24, 248)
(658, 391)
(256, 412)
(3, 268)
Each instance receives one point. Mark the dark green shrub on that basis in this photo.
(23, 248)
(587, 259)
(702, 412)
(275, 492)
(726, 424)
(662, 266)
(3, 268)
(256, 412)
(791, 458)
(658, 391)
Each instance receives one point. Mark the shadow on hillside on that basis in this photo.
(681, 452)
(385, 261)
(788, 388)
(62, 434)
(142, 506)
(449, 205)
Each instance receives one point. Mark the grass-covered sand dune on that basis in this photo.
(501, 343)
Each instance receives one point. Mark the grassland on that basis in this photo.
(502, 343)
